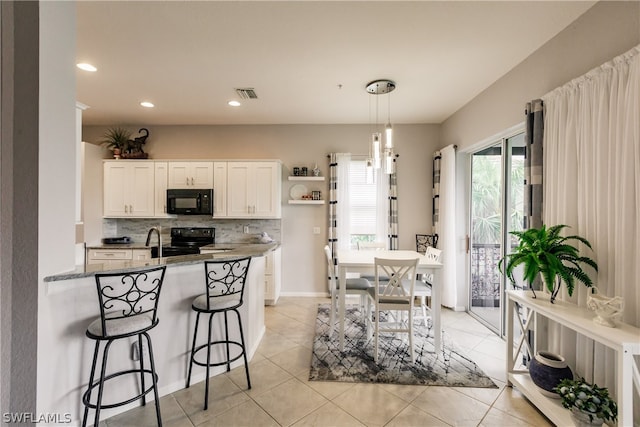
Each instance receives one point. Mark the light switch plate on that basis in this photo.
(316, 230)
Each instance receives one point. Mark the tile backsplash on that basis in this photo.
(227, 230)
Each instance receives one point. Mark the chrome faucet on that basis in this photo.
(157, 230)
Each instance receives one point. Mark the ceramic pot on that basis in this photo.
(581, 419)
(608, 310)
(547, 370)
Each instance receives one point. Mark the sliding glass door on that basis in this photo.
(497, 189)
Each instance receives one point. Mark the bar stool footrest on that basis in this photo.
(86, 402)
(225, 362)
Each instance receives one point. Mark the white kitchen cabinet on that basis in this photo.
(129, 189)
(190, 175)
(219, 189)
(161, 185)
(253, 190)
(272, 276)
(117, 257)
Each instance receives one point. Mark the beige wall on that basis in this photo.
(603, 32)
(304, 145)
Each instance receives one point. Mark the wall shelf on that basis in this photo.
(306, 178)
(623, 339)
(306, 202)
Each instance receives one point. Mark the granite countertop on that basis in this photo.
(229, 251)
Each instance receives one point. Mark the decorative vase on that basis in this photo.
(582, 419)
(116, 153)
(547, 370)
(608, 310)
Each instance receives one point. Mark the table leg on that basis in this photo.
(436, 296)
(342, 294)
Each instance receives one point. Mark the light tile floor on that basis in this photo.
(282, 395)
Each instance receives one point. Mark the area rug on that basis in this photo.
(356, 363)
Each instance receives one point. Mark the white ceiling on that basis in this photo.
(309, 62)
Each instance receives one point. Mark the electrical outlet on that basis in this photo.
(316, 230)
(246, 229)
(135, 351)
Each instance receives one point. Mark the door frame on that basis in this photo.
(501, 138)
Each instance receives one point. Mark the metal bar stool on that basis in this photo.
(224, 282)
(128, 307)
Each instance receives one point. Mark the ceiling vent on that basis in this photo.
(246, 93)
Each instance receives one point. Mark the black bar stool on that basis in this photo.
(128, 306)
(224, 282)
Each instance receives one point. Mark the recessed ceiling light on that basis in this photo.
(147, 104)
(86, 67)
(234, 103)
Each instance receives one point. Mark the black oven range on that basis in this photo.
(187, 241)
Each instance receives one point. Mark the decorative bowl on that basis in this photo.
(608, 310)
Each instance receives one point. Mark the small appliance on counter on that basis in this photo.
(188, 201)
(116, 240)
(265, 238)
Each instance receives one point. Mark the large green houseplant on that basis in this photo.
(543, 251)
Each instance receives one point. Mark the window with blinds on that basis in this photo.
(362, 203)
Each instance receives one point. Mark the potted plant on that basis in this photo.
(117, 140)
(543, 251)
(589, 404)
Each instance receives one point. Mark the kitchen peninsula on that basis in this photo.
(70, 304)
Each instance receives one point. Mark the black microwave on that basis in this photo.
(189, 201)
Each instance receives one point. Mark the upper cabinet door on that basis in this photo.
(115, 185)
(141, 195)
(190, 175)
(219, 189)
(129, 189)
(202, 174)
(239, 189)
(161, 180)
(253, 189)
(267, 190)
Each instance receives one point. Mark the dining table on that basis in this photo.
(363, 261)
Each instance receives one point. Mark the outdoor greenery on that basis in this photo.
(487, 197)
(587, 398)
(546, 253)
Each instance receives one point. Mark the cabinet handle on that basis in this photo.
(126, 209)
(187, 180)
(130, 209)
(191, 180)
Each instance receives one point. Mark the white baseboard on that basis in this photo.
(305, 294)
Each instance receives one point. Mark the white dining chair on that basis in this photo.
(423, 287)
(354, 286)
(394, 296)
(371, 246)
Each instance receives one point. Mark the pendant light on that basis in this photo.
(376, 154)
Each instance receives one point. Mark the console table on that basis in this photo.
(625, 340)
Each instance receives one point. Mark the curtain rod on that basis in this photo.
(329, 156)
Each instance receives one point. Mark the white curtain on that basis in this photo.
(445, 226)
(342, 195)
(592, 183)
(382, 207)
